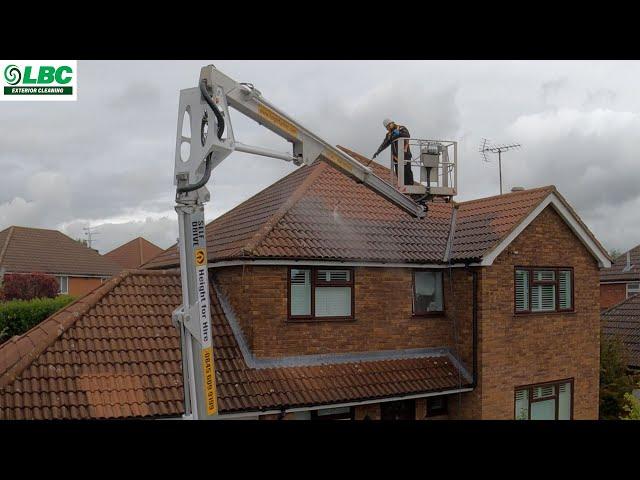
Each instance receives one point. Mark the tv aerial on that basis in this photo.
(486, 147)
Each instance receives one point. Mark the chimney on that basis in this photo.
(517, 189)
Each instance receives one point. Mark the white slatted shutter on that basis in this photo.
(522, 290)
(522, 405)
(564, 401)
(300, 292)
(565, 289)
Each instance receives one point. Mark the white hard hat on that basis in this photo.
(386, 122)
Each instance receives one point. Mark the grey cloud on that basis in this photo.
(109, 156)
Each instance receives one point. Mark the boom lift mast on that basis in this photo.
(205, 110)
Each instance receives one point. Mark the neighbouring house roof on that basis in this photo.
(319, 213)
(25, 249)
(115, 354)
(134, 253)
(622, 321)
(619, 272)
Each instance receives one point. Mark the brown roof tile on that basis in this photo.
(106, 362)
(622, 321)
(25, 249)
(317, 212)
(618, 270)
(134, 253)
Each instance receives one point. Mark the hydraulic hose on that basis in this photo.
(207, 165)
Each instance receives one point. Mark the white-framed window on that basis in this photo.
(548, 401)
(633, 288)
(320, 293)
(543, 290)
(63, 282)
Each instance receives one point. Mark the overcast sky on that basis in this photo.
(107, 159)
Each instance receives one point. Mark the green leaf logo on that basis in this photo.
(12, 74)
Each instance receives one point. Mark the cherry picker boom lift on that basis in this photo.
(204, 138)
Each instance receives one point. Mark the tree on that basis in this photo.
(614, 253)
(26, 286)
(631, 406)
(615, 380)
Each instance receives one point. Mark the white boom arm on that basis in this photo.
(211, 140)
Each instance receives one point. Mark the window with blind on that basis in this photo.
(633, 288)
(548, 401)
(427, 292)
(320, 293)
(543, 290)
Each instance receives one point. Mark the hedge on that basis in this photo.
(19, 316)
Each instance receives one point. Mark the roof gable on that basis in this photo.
(134, 253)
(564, 210)
(50, 251)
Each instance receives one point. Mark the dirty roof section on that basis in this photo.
(115, 354)
(622, 321)
(24, 249)
(619, 270)
(319, 213)
(134, 253)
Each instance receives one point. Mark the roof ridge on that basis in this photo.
(264, 230)
(550, 188)
(18, 353)
(6, 243)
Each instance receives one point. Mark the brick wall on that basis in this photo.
(79, 286)
(383, 313)
(526, 349)
(611, 294)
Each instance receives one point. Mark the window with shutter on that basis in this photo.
(543, 290)
(320, 293)
(549, 401)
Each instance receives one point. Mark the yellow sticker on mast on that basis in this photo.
(204, 312)
(277, 120)
(210, 396)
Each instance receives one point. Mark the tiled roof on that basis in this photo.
(623, 321)
(25, 249)
(115, 354)
(482, 223)
(319, 213)
(618, 271)
(134, 253)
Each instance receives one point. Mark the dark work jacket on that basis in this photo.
(398, 132)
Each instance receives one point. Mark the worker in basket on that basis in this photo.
(393, 133)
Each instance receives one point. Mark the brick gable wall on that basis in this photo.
(526, 349)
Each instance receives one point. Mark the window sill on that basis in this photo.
(429, 315)
(542, 314)
(321, 320)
